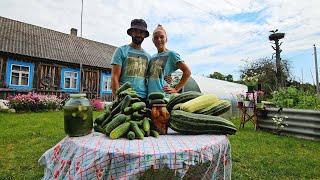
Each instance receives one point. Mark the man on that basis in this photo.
(129, 62)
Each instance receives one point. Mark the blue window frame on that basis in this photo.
(70, 80)
(19, 74)
(105, 83)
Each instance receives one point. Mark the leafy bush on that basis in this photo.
(34, 102)
(292, 97)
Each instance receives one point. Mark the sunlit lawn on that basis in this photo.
(255, 154)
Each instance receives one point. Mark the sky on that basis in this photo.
(210, 35)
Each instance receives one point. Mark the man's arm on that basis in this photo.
(115, 78)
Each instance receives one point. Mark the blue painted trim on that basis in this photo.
(63, 71)
(9, 71)
(103, 76)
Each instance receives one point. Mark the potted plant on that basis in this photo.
(259, 105)
(251, 80)
(240, 99)
(247, 102)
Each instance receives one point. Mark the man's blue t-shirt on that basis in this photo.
(133, 64)
(160, 65)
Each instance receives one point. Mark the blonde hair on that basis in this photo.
(159, 28)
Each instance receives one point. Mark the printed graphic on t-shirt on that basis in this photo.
(136, 65)
(157, 67)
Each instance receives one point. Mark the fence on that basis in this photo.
(301, 123)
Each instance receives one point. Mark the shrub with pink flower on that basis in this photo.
(34, 102)
(97, 104)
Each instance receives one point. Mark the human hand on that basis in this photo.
(170, 90)
(168, 79)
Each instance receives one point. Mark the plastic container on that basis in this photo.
(160, 118)
(78, 115)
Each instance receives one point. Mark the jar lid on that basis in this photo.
(159, 105)
(78, 95)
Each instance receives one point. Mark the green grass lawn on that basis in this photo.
(255, 154)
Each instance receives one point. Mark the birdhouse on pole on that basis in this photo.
(275, 36)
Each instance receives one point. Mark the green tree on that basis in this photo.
(229, 78)
(217, 75)
(266, 70)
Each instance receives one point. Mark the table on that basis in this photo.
(249, 113)
(95, 156)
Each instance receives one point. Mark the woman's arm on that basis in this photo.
(185, 76)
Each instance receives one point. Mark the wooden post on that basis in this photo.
(316, 65)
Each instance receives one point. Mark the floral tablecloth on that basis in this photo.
(95, 156)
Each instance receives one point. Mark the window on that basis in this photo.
(107, 83)
(70, 80)
(20, 75)
(105, 87)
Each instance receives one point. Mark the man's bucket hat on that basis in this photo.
(138, 24)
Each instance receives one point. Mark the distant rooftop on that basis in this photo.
(34, 41)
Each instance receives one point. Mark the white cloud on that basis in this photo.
(197, 29)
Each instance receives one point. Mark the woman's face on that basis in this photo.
(159, 39)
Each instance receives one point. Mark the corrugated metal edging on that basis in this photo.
(301, 123)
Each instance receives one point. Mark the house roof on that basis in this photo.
(30, 40)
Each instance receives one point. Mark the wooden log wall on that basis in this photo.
(90, 82)
(47, 77)
(3, 69)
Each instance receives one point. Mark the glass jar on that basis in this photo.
(160, 118)
(78, 115)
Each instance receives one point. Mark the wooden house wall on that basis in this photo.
(3, 67)
(47, 77)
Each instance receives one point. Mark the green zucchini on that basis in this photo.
(186, 122)
(100, 119)
(135, 128)
(131, 135)
(182, 98)
(136, 116)
(224, 107)
(138, 106)
(157, 101)
(156, 95)
(120, 130)
(98, 128)
(125, 102)
(123, 87)
(128, 110)
(154, 133)
(115, 122)
(146, 124)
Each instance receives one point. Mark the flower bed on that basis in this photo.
(34, 102)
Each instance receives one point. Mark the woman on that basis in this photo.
(163, 64)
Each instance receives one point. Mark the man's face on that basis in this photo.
(137, 36)
(159, 39)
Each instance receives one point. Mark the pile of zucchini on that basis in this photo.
(197, 113)
(127, 116)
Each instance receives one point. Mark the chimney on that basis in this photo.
(73, 32)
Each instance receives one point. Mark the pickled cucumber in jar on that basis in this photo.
(78, 119)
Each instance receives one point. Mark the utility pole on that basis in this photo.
(316, 65)
(81, 18)
(301, 76)
(276, 37)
